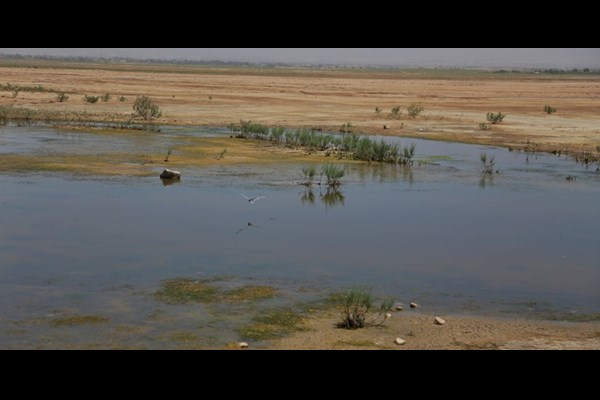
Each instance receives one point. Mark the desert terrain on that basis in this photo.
(455, 102)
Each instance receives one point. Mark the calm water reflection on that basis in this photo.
(102, 246)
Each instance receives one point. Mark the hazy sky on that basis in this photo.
(429, 57)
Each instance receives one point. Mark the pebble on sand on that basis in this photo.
(242, 345)
(439, 321)
(414, 305)
(399, 341)
(388, 315)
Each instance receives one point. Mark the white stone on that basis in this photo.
(399, 308)
(399, 341)
(242, 345)
(439, 321)
(414, 305)
(388, 315)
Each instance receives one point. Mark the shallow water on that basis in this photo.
(522, 241)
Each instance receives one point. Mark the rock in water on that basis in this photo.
(439, 321)
(414, 305)
(168, 174)
(399, 341)
(399, 308)
(242, 345)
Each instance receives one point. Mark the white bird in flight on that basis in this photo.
(251, 200)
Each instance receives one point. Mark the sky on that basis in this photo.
(427, 57)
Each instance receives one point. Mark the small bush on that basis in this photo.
(145, 108)
(377, 110)
(62, 97)
(105, 97)
(484, 127)
(91, 99)
(122, 98)
(549, 109)
(358, 309)
(494, 118)
(346, 128)
(15, 93)
(414, 109)
(396, 112)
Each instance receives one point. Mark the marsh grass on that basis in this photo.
(72, 320)
(487, 163)
(358, 147)
(333, 173)
(273, 324)
(358, 309)
(309, 173)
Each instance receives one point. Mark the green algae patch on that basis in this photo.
(273, 324)
(186, 290)
(249, 293)
(72, 320)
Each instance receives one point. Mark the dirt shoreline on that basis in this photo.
(455, 103)
(459, 333)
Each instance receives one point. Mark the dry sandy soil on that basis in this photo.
(455, 102)
(459, 333)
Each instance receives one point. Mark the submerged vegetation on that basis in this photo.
(71, 320)
(187, 290)
(357, 147)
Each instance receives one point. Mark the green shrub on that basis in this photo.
(122, 98)
(494, 118)
(333, 173)
(377, 110)
(309, 175)
(396, 112)
(414, 109)
(358, 309)
(105, 97)
(484, 127)
(145, 108)
(549, 109)
(91, 99)
(62, 97)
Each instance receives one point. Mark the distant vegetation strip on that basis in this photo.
(358, 147)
